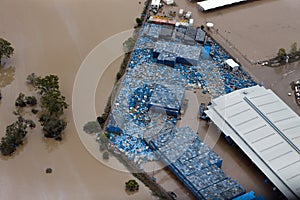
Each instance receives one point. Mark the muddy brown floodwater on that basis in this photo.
(54, 36)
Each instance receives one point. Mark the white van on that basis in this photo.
(188, 15)
(180, 12)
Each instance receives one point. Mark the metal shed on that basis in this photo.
(266, 129)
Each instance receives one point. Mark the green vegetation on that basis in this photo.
(20, 101)
(102, 119)
(293, 51)
(6, 50)
(283, 57)
(131, 185)
(16, 132)
(105, 155)
(52, 104)
(144, 13)
(34, 111)
(129, 44)
(31, 78)
(128, 47)
(139, 21)
(31, 100)
(23, 100)
(52, 126)
(156, 189)
(49, 170)
(92, 127)
(282, 53)
(15, 135)
(119, 75)
(103, 139)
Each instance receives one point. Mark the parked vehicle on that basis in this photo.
(180, 12)
(297, 91)
(188, 15)
(201, 110)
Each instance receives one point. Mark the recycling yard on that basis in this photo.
(142, 124)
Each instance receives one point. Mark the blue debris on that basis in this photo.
(142, 123)
(194, 163)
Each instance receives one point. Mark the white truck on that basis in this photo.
(180, 12)
(188, 15)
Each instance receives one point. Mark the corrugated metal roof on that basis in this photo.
(155, 2)
(212, 4)
(266, 129)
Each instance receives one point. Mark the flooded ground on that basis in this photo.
(54, 37)
(252, 32)
(245, 172)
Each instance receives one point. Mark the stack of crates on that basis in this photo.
(206, 177)
(200, 36)
(195, 164)
(187, 54)
(189, 37)
(179, 33)
(165, 100)
(226, 189)
(166, 32)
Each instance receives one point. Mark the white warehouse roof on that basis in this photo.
(155, 3)
(212, 4)
(267, 130)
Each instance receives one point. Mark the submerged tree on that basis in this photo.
(47, 84)
(293, 51)
(23, 100)
(52, 126)
(281, 54)
(131, 185)
(31, 78)
(20, 101)
(92, 127)
(103, 139)
(15, 134)
(31, 100)
(6, 50)
(128, 45)
(139, 21)
(52, 103)
(105, 155)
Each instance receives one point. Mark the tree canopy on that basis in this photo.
(52, 104)
(20, 101)
(52, 126)
(281, 53)
(131, 185)
(48, 84)
(6, 50)
(92, 127)
(15, 134)
(293, 51)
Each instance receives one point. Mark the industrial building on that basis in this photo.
(266, 129)
(213, 4)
